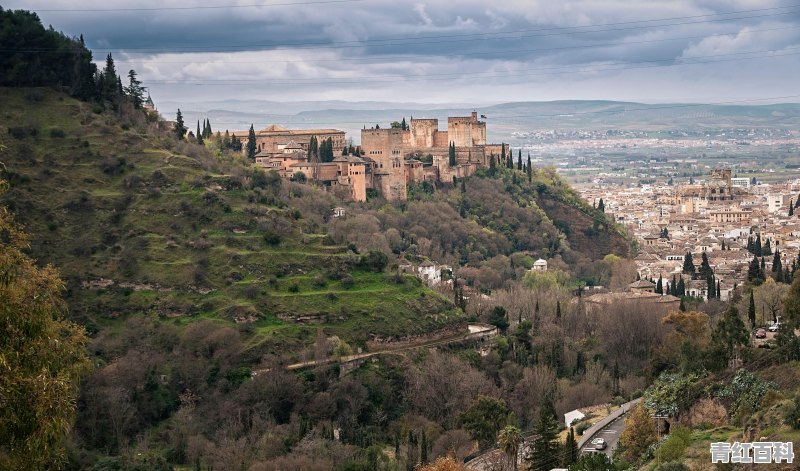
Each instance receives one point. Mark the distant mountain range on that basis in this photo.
(504, 119)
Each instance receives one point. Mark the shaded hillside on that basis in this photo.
(492, 227)
(141, 224)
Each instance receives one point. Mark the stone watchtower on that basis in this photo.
(385, 148)
(466, 131)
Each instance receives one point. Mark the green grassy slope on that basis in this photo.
(141, 225)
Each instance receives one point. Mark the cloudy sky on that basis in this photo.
(453, 51)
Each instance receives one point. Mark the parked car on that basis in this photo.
(599, 444)
(761, 334)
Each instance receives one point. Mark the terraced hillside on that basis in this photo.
(142, 225)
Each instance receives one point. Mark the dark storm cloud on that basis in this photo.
(371, 47)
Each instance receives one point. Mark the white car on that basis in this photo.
(599, 444)
(774, 327)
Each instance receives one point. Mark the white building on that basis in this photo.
(540, 265)
(573, 416)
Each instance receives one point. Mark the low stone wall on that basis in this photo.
(592, 431)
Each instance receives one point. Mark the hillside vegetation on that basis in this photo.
(191, 269)
(140, 224)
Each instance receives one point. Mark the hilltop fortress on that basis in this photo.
(388, 160)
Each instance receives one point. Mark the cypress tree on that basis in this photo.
(763, 267)
(423, 448)
(492, 166)
(754, 274)
(403, 124)
(558, 309)
(570, 454)
(681, 287)
(719, 290)
(251, 143)
(751, 311)
(711, 287)
(452, 154)
(688, 264)
(705, 267)
(660, 285)
(529, 169)
(208, 123)
(767, 249)
(757, 247)
(776, 262)
(791, 208)
(180, 129)
(682, 306)
(199, 135)
(601, 206)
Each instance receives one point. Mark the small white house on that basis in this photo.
(338, 212)
(540, 265)
(573, 416)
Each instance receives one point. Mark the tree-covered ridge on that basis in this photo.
(33, 56)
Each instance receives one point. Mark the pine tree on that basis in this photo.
(180, 129)
(135, 90)
(199, 134)
(545, 432)
(110, 80)
(751, 311)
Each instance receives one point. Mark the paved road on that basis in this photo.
(473, 331)
(611, 435)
